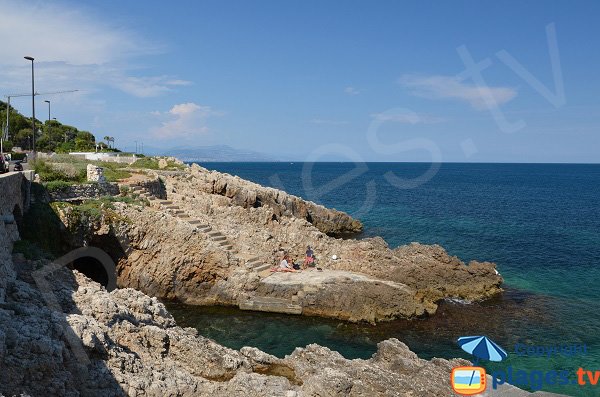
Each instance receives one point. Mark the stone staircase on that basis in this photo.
(255, 303)
(269, 304)
(260, 267)
(173, 209)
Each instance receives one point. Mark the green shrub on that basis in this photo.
(58, 186)
(152, 164)
(48, 173)
(30, 250)
(18, 156)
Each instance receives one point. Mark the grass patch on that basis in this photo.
(147, 162)
(113, 172)
(51, 169)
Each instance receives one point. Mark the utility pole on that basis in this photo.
(32, 104)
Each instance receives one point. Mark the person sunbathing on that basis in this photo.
(285, 265)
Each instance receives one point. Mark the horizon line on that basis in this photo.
(395, 162)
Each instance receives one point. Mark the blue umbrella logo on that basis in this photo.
(482, 347)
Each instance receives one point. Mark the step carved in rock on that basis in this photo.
(262, 267)
(273, 305)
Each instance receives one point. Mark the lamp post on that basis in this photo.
(48, 102)
(32, 104)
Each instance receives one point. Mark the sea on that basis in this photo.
(540, 223)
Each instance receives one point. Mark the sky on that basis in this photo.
(459, 81)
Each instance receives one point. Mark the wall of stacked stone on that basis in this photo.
(15, 193)
(85, 191)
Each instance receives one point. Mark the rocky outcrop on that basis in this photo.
(95, 174)
(372, 283)
(251, 195)
(165, 255)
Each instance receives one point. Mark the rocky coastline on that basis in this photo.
(215, 237)
(62, 333)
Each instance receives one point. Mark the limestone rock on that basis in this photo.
(95, 174)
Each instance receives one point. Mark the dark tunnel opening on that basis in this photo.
(92, 268)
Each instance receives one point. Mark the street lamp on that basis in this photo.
(48, 102)
(32, 104)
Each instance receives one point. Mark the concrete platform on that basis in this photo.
(272, 305)
(318, 279)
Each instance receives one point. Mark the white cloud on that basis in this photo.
(74, 49)
(351, 91)
(144, 87)
(51, 32)
(449, 87)
(185, 120)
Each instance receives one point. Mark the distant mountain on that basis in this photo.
(211, 154)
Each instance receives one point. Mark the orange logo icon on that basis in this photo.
(468, 380)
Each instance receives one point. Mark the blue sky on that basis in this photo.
(352, 80)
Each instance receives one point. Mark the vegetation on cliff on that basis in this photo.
(62, 170)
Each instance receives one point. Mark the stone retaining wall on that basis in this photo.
(14, 201)
(15, 192)
(85, 191)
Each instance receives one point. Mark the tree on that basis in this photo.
(85, 141)
(23, 138)
(54, 135)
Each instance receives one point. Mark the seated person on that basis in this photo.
(286, 265)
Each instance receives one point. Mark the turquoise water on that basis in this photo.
(539, 222)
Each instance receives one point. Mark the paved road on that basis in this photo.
(12, 165)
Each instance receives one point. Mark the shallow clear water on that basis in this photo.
(539, 222)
